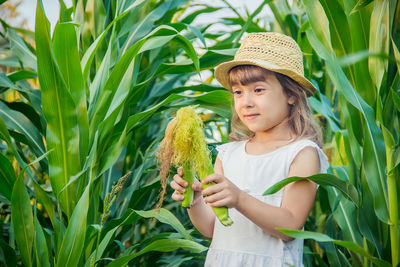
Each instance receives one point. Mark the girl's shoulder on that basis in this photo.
(299, 145)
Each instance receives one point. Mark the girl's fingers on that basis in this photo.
(211, 190)
(213, 178)
(179, 180)
(196, 186)
(174, 185)
(176, 196)
(215, 199)
(180, 171)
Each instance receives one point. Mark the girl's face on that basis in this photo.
(261, 105)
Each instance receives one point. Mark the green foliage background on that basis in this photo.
(84, 107)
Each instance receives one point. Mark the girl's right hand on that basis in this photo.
(180, 185)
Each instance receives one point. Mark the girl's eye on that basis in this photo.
(237, 92)
(259, 90)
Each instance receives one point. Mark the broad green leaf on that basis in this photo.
(165, 216)
(156, 42)
(67, 56)
(379, 41)
(340, 32)
(60, 113)
(319, 22)
(6, 82)
(21, 75)
(359, 27)
(42, 256)
(74, 238)
(21, 50)
(346, 244)
(323, 179)
(17, 121)
(21, 213)
(7, 177)
(186, 44)
(163, 245)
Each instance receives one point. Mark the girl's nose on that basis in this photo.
(248, 100)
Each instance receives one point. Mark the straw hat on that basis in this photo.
(272, 51)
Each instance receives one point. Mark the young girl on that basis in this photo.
(274, 137)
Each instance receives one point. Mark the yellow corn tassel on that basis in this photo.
(184, 145)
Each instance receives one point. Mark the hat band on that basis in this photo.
(279, 59)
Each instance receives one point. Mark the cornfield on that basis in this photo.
(84, 107)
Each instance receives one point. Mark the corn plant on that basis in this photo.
(108, 71)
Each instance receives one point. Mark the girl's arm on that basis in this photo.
(298, 197)
(201, 215)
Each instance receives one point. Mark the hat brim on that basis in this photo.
(221, 73)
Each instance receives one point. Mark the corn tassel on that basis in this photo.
(184, 145)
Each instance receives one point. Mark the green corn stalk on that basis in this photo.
(184, 145)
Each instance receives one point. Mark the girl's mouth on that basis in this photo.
(251, 116)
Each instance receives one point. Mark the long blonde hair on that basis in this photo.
(301, 119)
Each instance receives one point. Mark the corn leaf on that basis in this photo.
(71, 248)
(165, 216)
(163, 245)
(319, 22)
(7, 177)
(42, 255)
(379, 41)
(67, 56)
(21, 213)
(324, 238)
(60, 113)
(323, 179)
(15, 120)
(21, 50)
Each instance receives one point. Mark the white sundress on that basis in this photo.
(244, 243)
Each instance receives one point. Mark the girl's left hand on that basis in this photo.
(222, 193)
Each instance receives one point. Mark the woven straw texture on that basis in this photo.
(270, 50)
